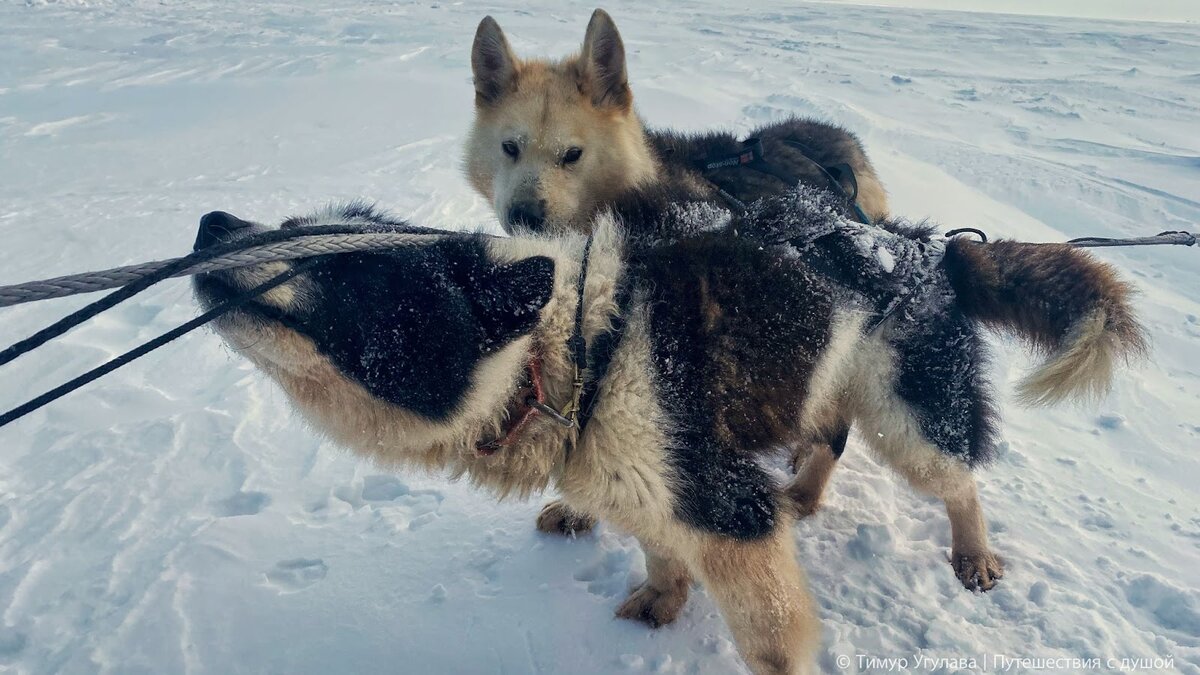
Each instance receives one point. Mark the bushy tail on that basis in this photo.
(1070, 306)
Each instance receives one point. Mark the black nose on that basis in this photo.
(530, 215)
(218, 227)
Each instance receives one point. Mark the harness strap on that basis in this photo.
(141, 350)
(752, 151)
(577, 411)
(752, 156)
(603, 349)
(839, 171)
(568, 415)
(576, 343)
(833, 174)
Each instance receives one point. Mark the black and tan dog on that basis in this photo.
(721, 349)
(554, 143)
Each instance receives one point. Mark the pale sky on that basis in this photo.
(1144, 10)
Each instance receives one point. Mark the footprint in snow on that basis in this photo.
(870, 541)
(242, 504)
(394, 501)
(383, 488)
(12, 641)
(289, 576)
(607, 577)
(1171, 607)
(380, 488)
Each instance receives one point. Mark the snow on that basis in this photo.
(176, 517)
(1146, 10)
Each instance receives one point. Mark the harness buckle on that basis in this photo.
(570, 411)
(569, 415)
(546, 410)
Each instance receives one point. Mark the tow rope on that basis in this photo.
(313, 243)
(289, 244)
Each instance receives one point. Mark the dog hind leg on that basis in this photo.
(933, 472)
(804, 492)
(974, 563)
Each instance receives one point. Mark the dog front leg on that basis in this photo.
(764, 598)
(659, 600)
(559, 518)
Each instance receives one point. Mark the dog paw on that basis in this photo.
(803, 504)
(653, 606)
(802, 500)
(977, 571)
(558, 518)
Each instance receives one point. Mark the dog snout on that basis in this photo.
(218, 227)
(530, 215)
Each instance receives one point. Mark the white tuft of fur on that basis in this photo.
(1081, 368)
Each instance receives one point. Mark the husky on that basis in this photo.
(552, 143)
(702, 353)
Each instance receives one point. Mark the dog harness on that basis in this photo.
(752, 156)
(595, 361)
(577, 411)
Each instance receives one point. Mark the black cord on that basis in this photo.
(982, 237)
(143, 349)
(208, 253)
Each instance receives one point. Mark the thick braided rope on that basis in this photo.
(303, 247)
(1170, 238)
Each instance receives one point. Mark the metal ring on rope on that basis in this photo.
(963, 230)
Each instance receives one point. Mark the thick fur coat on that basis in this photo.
(732, 347)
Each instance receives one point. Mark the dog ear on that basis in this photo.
(492, 62)
(603, 63)
(508, 302)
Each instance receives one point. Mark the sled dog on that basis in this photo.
(702, 354)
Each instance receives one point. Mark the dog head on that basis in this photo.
(401, 354)
(552, 142)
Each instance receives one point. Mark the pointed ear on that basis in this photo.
(492, 62)
(603, 63)
(509, 299)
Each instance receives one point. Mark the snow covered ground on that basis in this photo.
(175, 517)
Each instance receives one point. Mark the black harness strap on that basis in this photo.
(752, 156)
(577, 344)
(983, 238)
(141, 350)
(603, 349)
(752, 151)
(834, 174)
(207, 253)
(578, 411)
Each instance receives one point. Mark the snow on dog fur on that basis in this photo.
(518, 106)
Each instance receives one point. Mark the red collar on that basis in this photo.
(520, 413)
(530, 400)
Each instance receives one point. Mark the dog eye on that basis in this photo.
(572, 155)
(510, 149)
